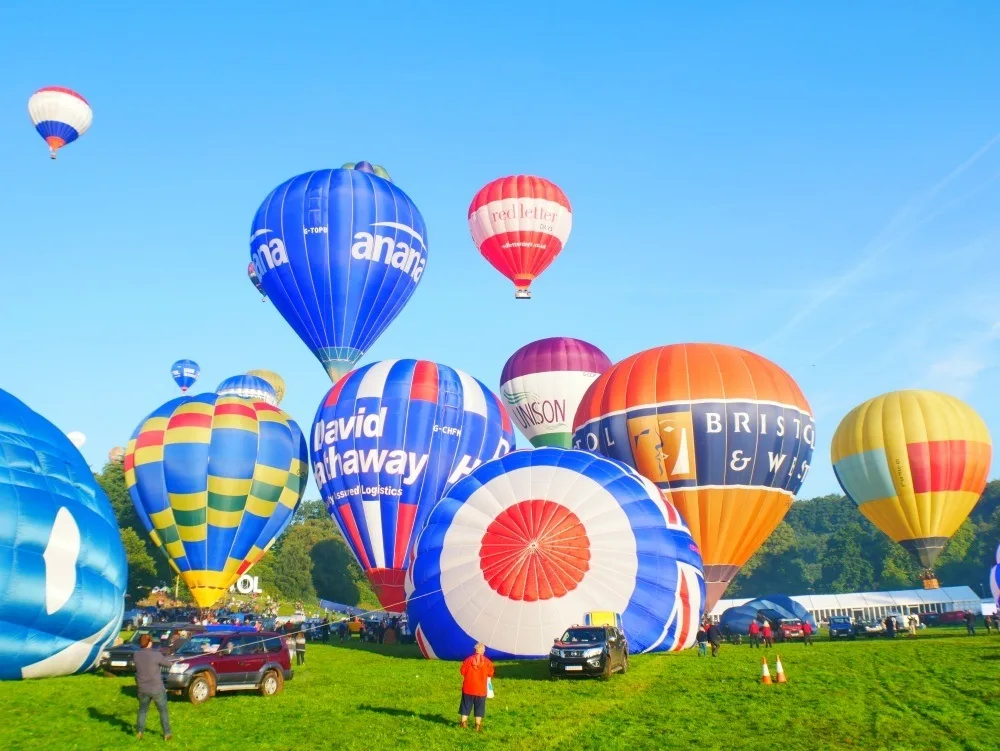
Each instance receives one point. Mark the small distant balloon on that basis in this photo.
(117, 454)
(248, 387)
(373, 169)
(77, 438)
(185, 373)
(59, 115)
(274, 380)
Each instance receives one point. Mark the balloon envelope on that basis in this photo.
(542, 384)
(387, 440)
(726, 432)
(275, 381)
(215, 480)
(339, 253)
(773, 606)
(527, 544)
(185, 373)
(63, 571)
(520, 224)
(117, 454)
(249, 387)
(915, 463)
(60, 116)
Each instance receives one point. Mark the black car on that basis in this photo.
(589, 650)
(119, 659)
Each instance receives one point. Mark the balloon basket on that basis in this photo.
(930, 580)
(522, 294)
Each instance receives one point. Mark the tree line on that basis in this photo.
(823, 546)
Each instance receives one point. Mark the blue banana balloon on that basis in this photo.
(339, 252)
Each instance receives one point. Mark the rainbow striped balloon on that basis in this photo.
(215, 480)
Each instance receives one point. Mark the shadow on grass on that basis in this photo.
(110, 719)
(395, 712)
(524, 670)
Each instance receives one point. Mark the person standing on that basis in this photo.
(970, 623)
(911, 624)
(714, 638)
(754, 634)
(988, 622)
(300, 648)
(702, 638)
(767, 634)
(476, 672)
(149, 685)
(807, 633)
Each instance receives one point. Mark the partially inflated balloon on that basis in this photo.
(915, 463)
(387, 440)
(276, 381)
(63, 571)
(215, 480)
(727, 433)
(995, 578)
(520, 224)
(59, 115)
(185, 373)
(542, 384)
(116, 455)
(527, 544)
(338, 252)
(249, 387)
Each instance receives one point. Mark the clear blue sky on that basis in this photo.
(817, 184)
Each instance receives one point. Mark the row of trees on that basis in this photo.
(824, 545)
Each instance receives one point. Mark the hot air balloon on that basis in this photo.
(915, 463)
(527, 544)
(387, 440)
(338, 252)
(252, 274)
(63, 572)
(725, 432)
(59, 115)
(519, 225)
(249, 387)
(77, 438)
(274, 380)
(116, 455)
(542, 384)
(374, 169)
(215, 480)
(185, 373)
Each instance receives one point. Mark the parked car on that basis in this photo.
(790, 628)
(589, 650)
(212, 662)
(951, 618)
(841, 626)
(869, 629)
(119, 659)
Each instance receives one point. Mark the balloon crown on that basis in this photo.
(371, 169)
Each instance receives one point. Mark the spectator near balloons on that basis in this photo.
(477, 671)
(702, 639)
(754, 631)
(767, 634)
(149, 685)
(714, 638)
(807, 633)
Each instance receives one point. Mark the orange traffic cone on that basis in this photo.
(765, 674)
(780, 671)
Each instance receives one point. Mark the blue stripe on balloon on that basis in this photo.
(62, 130)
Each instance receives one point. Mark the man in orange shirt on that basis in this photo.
(477, 670)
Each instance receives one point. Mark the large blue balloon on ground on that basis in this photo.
(62, 565)
(387, 441)
(772, 607)
(529, 543)
(339, 252)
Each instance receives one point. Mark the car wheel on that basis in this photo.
(271, 683)
(200, 690)
(606, 673)
(625, 664)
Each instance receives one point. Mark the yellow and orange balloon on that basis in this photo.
(915, 463)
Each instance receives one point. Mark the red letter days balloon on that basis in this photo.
(519, 225)
(388, 439)
(726, 432)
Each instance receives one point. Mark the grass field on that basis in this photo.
(937, 691)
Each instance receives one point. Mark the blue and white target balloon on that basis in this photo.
(528, 543)
(63, 572)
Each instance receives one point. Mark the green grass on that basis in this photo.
(938, 691)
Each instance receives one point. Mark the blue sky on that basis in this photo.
(816, 184)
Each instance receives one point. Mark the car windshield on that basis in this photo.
(583, 635)
(201, 644)
(161, 634)
(791, 622)
(840, 619)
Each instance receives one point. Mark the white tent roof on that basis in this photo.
(959, 598)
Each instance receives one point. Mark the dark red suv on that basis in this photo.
(212, 662)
